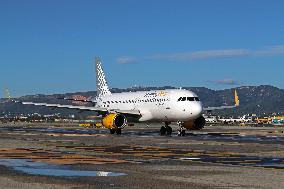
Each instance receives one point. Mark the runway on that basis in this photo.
(75, 157)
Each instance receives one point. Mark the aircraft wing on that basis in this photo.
(83, 108)
(237, 103)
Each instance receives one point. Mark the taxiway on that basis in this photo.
(56, 156)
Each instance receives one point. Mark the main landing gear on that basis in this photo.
(117, 131)
(166, 130)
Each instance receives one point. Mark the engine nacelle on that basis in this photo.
(197, 124)
(114, 121)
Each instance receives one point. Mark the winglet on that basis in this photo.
(237, 101)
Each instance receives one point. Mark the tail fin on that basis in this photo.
(7, 93)
(237, 101)
(102, 87)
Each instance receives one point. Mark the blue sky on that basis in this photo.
(49, 46)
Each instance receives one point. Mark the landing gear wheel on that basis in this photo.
(166, 130)
(181, 132)
(112, 131)
(118, 131)
(163, 131)
(169, 130)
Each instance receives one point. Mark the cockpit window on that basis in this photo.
(182, 99)
(196, 99)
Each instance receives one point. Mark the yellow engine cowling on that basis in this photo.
(197, 124)
(114, 121)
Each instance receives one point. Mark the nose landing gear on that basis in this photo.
(181, 131)
(166, 130)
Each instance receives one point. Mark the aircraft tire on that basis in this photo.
(181, 133)
(112, 131)
(163, 131)
(118, 131)
(169, 130)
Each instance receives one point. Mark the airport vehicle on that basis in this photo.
(173, 105)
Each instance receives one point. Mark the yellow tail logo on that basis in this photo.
(237, 101)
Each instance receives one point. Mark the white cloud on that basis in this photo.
(203, 54)
(226, 82)
(127, 60)
(270, 51)
(208, 54)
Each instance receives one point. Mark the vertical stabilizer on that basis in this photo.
(7, 93)
(237, 101)
(102, 87)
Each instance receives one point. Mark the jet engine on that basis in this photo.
(197, 124)
(114, 121)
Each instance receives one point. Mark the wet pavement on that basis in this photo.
(167, 153)
(39, 168)
(89, 152)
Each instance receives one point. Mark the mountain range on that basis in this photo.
(260, 100)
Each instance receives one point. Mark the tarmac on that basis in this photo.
(49, 156)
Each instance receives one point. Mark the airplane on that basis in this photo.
(167, 106)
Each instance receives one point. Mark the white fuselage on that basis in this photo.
(157, 105)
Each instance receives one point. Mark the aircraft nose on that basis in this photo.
(197, 110)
